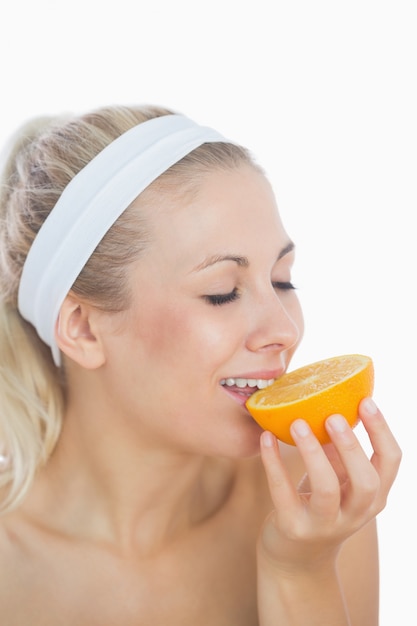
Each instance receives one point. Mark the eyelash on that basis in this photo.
(225, 298)
(222, 298)
(284, 286)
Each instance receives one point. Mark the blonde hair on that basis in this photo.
(44, 156)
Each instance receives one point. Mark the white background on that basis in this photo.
(324, 93)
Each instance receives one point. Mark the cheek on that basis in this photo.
(185, 337)
(161, 332)
(171, 330)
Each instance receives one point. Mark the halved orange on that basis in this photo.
(313, 393)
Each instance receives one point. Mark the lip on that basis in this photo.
(265, 374)
(237, 396)
(240, 396)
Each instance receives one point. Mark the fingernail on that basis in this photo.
(337, 423)
(370, 406)
(301, 428)
(268, 439)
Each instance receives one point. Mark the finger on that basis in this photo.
(363, 480)
(387, 453)
(283, 494)
(303, 486)
(324, 501)
(336, 462)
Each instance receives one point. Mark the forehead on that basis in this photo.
(215, 194)
(232, 210)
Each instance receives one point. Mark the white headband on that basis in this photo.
(90, 204)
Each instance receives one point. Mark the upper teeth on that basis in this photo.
(247, 382)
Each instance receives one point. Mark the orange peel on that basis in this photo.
(313, 393)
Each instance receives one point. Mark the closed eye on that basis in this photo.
(283, 285)
(222, 298)
(218, 299)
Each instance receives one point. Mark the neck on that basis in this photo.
(104, 484)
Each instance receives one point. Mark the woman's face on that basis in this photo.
(213, 313)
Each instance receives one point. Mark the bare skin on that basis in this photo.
(155, 507)
(58, 578)
(53, 576)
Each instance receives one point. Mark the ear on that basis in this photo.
(77, 333)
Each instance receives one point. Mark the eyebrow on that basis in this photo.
(241, 261)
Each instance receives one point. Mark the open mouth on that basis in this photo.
(246, 386)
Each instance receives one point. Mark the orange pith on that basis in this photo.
(312, 393)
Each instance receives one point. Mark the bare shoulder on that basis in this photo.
(358, 567)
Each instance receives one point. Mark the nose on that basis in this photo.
(277, 322)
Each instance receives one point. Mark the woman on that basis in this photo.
(135, 323)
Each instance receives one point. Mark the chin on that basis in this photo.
(245, 442)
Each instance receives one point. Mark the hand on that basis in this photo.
(345, 489)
